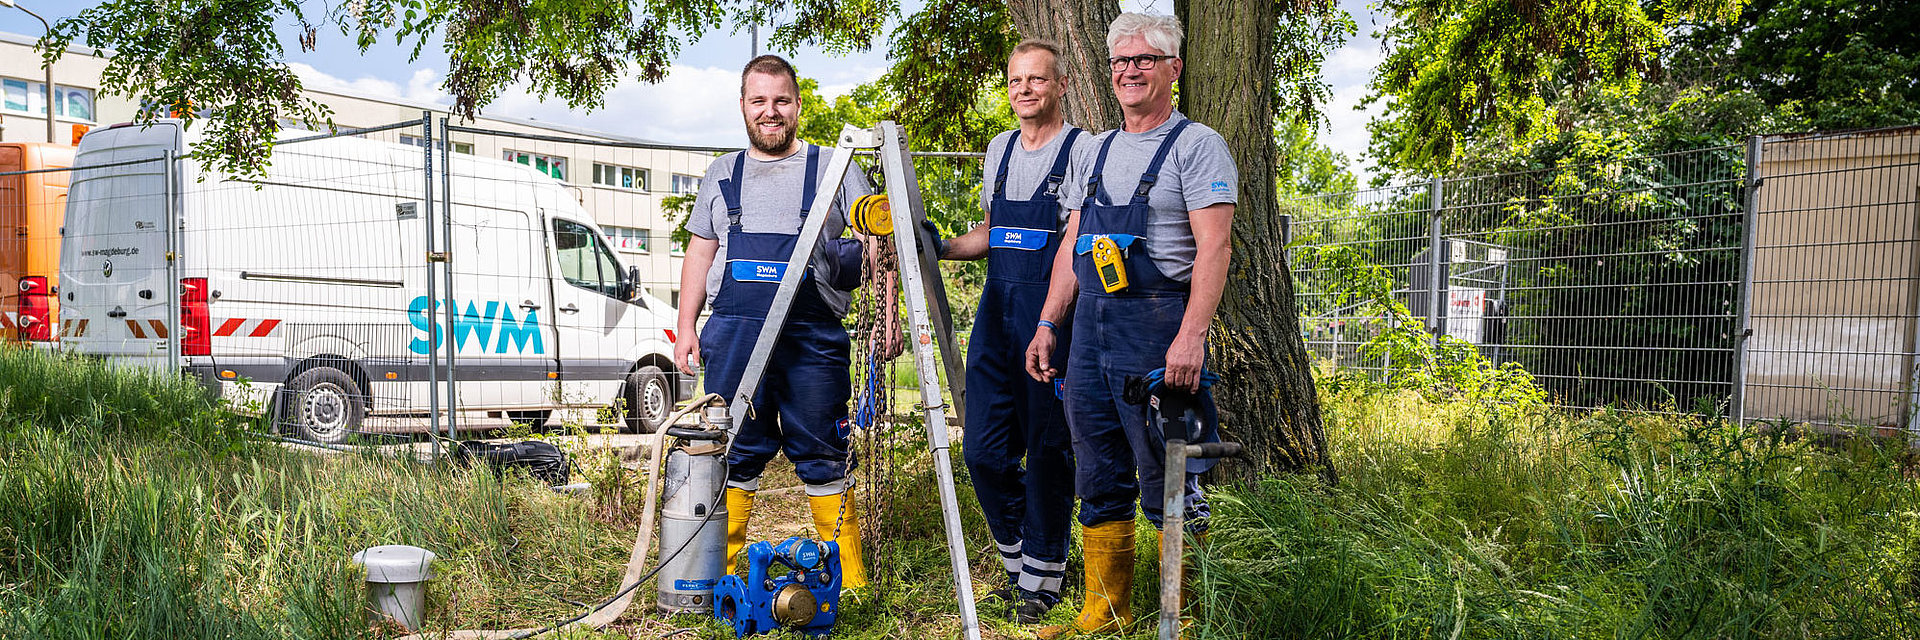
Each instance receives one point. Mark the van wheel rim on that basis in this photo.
(324, 410)
(654, 402)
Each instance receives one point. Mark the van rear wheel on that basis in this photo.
(649, 399)
(324, 405)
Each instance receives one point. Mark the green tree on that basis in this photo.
(1494, 71)
(223, 56)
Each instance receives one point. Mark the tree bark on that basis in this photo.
(1079, 28)
(1267, 399)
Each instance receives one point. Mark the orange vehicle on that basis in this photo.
(32, 206)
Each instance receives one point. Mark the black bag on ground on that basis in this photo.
(542, 460)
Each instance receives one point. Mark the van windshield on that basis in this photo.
(584, 260)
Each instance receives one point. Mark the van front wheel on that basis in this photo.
(324, 405)
(649, 399)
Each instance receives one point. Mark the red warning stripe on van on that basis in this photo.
(238, 327)
(6, 321)
(73, 328)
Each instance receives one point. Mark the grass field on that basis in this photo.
(131, 508)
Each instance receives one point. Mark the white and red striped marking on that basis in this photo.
(73, 328)
(670, 336)
(247, 327)
(7, 321)
(137, 327)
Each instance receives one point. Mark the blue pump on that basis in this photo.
(793, 585)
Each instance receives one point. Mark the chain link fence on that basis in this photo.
(1772, 280)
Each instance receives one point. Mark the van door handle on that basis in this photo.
(117, 313)
(529, 306)
(569, 308)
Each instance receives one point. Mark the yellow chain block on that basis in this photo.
(873, 215)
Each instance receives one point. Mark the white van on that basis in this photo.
(303, 292)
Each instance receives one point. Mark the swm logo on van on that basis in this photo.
(484, 324)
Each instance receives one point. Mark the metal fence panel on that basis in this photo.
(1836, 279)
(1663, 282)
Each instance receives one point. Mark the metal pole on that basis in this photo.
(1173, 529)
(49, 67)
(170, 173)
(433, 328)
(923, 289)
(1744, 338)
(1436, 303)
(446, 264)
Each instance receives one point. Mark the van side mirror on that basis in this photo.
(631, 286)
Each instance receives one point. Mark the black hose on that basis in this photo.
(657, 566)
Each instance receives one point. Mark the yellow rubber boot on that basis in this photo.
(739, 508)
(836, 518)
(1107, 606)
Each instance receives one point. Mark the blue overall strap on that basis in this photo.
(1152, 174)
(808, 192)
(1099, 164)
(1000, 177)
(1058, 173)
(730, 191)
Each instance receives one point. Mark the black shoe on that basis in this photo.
(1031, 610)
(1003, 594)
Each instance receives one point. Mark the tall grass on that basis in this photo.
(130, 506)
(1455, 521)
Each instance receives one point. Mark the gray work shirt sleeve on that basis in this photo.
(1209, 175)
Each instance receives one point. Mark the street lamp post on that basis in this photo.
(50, 103)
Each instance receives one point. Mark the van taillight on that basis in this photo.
(36, 309)
(196, 334)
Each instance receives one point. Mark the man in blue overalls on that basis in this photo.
(1010, 415)
(1143, 279)
(745, 225)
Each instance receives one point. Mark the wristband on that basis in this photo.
(1049, 324)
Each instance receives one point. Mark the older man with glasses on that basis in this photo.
(1143, 280)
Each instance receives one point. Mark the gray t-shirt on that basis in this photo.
(1026, 169)
(1197, 173)
(770, 203)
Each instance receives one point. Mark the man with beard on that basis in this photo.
(745, 225)
(1009, 415)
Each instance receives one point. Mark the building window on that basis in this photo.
(551, 165)
(628, 239)
(417, 141)
(29, 97)
(683, 183)
(621, 177)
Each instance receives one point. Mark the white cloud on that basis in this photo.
(1348, 69)
(693, 105)
(423, 86)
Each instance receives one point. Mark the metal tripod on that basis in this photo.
(928, 313)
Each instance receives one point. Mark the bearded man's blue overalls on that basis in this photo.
(801, 405)
(1009, 414)
(1121, 334)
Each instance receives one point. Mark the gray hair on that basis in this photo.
(1031, 45)
(1161, 32)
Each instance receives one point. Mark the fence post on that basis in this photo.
(433, 328)
(1744, 337)
(1436, 304)
(171, 174)
(446, 267)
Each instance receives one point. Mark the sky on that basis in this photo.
(696, 104)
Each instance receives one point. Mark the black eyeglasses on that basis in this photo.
(1143, 62)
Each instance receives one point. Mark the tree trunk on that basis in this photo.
(1267, 399)
(1079, 28)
